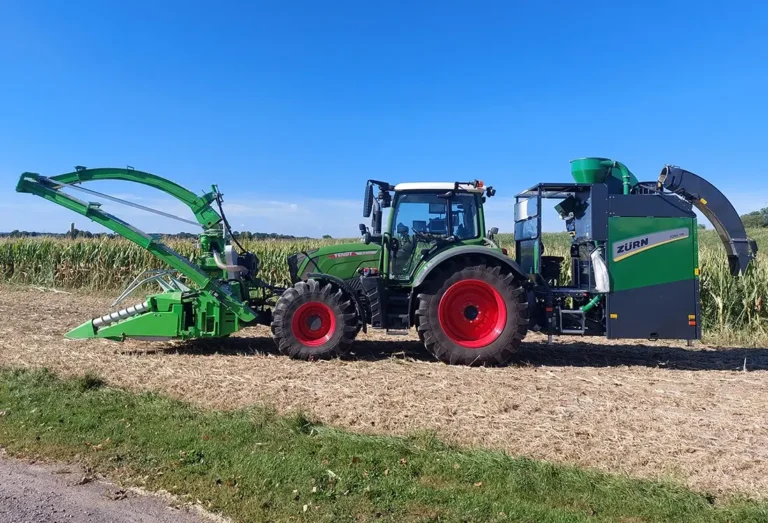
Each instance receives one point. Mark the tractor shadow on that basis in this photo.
(532, 353)
(362, 350)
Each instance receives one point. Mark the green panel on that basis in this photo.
(650, 251)
(601, 170)
(342, 261)
(170, 315)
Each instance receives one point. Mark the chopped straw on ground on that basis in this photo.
(644, 409)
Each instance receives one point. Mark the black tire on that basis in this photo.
(453, 340)
(314, 320)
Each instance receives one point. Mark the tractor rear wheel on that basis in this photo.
(472, 315)
(314, 320)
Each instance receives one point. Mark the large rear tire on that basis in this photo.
(472, 315)
(314, 321)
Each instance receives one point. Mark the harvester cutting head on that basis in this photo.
(210, 296)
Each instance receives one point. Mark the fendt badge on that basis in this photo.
(626, 248)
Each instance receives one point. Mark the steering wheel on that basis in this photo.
(424, 236)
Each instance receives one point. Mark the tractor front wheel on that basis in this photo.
(472, 315)
(312, 320)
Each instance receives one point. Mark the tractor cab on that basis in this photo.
(425, 218)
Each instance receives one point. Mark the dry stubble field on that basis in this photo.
(645, 409)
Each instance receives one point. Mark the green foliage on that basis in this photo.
(756, 218)
(254, 465)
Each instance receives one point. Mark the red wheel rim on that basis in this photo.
(472, 313)
(313, 323)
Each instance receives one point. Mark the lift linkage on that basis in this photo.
(214, 298)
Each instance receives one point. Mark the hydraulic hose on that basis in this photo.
(591, 303)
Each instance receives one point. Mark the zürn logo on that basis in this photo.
(629, 246)
(626, 247)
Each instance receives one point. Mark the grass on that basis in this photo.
(254, 465)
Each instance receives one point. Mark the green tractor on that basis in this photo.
(632, 271)
(433, 267)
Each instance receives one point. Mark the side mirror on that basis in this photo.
(402, 229)
(362, 228)
(368, 200)
(493, 232)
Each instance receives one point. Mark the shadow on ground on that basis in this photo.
(532, 353)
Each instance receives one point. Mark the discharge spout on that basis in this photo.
(718, 210)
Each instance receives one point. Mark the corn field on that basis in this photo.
(733, 309)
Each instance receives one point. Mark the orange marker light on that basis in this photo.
(480, 183)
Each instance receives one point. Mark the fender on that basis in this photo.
(423, 272)
(427, 268)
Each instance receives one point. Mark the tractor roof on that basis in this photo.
(436, 186)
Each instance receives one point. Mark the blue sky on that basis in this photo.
(291, 106)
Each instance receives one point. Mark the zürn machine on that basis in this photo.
(632, 271)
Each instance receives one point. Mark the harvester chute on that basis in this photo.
(715, 206)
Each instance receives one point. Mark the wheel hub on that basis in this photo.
(472, 313)
(313, 323)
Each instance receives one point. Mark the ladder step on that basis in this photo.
(398, 332)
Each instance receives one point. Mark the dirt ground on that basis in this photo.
(646, 409)
(41, 493)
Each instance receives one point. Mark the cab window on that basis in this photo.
(464, 216)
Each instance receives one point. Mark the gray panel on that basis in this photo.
(656, 311)
(599, 211)
(647, 205)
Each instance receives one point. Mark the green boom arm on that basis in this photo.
(200, 205)
(49, 189)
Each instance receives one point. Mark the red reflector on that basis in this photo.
(549, 309)
(504, 251)
(692, 323)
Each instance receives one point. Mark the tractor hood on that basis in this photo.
(343, 260)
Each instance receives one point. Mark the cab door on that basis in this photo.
(422, 221)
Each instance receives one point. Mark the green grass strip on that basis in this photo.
(254, 465)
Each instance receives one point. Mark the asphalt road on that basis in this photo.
(58, 494)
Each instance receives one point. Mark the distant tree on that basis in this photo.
(327, 237)
(702, 226)
(756, 218)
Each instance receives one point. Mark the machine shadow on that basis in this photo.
(532, 353)
(362, 350)
(585, 354)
